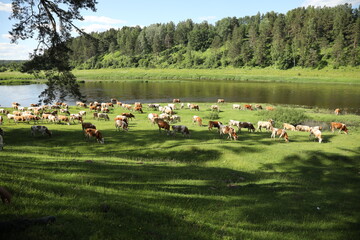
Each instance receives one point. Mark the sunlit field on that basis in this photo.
(146, 184)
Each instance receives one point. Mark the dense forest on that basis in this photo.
(312, 37)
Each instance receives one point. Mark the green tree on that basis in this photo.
(52, 23)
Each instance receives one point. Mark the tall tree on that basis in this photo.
(51, 22)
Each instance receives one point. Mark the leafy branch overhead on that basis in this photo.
(50, 23)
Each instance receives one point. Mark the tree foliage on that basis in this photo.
(305, 37)
(50, 23)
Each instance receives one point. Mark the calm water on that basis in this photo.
(329, 96)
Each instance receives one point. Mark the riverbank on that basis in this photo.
(156, 186)
(327, 75)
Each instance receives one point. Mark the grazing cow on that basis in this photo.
(32, 118)
(176, 100)
(214, 108)
(258, 107)
(317, 134)
(172, 106)
(168, 110)
(10, 116)
(90, 132)
(121, 124)
(281, 133)
(80, 104)
(213, 124)
(165, 116)
(247, 125)
(1, 120)
(151, 117)
(119, 104)
(66, 111)
(78, 117)
(40, 129)
(87, 125)
(127, 106)
(82, 113)
(248, 107)
(220, 100)
(122, 118)
(181, 129)
(182, 105)
(236, 106)
(138, 109)
(154, 106)
(269, 108)
(337, 111)
(137, 104)
(162, 124)
(302, 128)
(128, 115)
(337, 125)
(1, 143)
(105, 110)
(20, 119)
(3, 111)
(63, 118)
(103, 116)
(197, 119)
(5, 198)
(34, 105)
(288, 126)
(175, 119)
(53, 118)
(224, 129)
(194, 106)
(265, 124)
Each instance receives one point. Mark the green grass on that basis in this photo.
(345, 75)
(143, 184)
(348, 75)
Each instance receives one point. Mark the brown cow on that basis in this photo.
(337, 111)
(269, 108)
(288, 126)
(281, 133)
(138, 109)
(197, 119)
(220, 100)
(224, 129)
(162, 124)
(176, 100)
(248, 106)
(90, 132)
(88, 125)
(194, 106)
(121, 124)
(338, 125)
(128, 115)
(213, 124)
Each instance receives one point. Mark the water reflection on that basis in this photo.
(312, 95)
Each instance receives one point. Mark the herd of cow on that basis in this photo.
(163, 119)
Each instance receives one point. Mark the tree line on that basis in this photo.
(311, 37)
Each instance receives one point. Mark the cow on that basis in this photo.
(119, 104)
(197, 119)
(40, 129)
(175, 119)
(82, 114)
(3, 111)
(224, 129)
(15, 105)
(265, 124)
(10, 116)
(20, 119)
(87, 125)
(1, 143)
(258, 107)
(103, 116)
(181, 129)
(182, 105)
(113, 100)
(317, 134)
(154, 106)
(137, 104)
(248, 107)
(65, 111)
(168, 110)
(1, 120)
(214, 108)
(81, 104)
(138, 109)
(302, 128)
(151, 117)
(128, 115)
(78, 117)
(269, 108)
(90, 132)
(337, 111)
(165, 116)
(220, 100)
(121, 124)
(194, 106)
(105, 110)
(288, 126)
(236, 106)
(213, 124)
(337, 125)
(176, 100)
(247, 125)
(127, 106)
(63, 118)
(32, 118)
(122, 118)
(172, 106)
(162, 124)
(279, 132)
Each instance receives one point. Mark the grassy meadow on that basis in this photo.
(143, 184)
(349, 75)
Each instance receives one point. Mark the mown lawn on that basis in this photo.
(143, 184)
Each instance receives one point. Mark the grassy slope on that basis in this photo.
(145, 185)
(345, 75)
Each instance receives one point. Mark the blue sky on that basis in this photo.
(119, 13)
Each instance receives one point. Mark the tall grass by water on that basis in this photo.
(143, 184)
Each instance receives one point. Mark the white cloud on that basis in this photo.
(97, 27)
(10, 51)
(6, 7)
(104, 20)
(6, 36)
(329, 3)
(207, 18)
